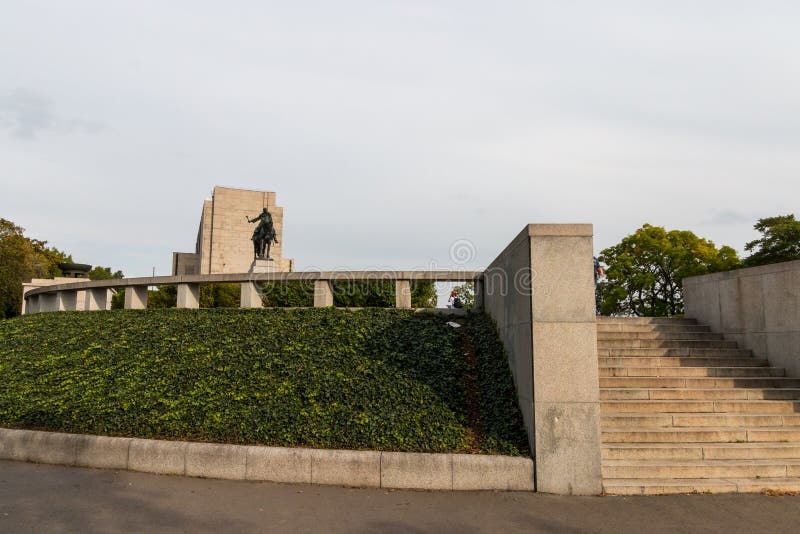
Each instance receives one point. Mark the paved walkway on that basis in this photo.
(43, 498)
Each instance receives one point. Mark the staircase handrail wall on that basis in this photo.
(758, 307)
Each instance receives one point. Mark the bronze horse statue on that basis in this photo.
(264, 235)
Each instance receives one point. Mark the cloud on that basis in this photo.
(727, 217)
(25, 113)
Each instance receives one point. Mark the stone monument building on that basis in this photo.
(224, 242)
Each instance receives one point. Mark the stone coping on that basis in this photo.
(295, 276)
(375, 469)
(759, 270)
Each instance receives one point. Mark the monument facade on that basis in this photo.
(224, 239)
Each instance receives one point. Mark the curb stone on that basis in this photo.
(397, 470)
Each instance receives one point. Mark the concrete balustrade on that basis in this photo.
(402, 295)
(323, 294)
(96, 295)
(188, 296)
(136, 297)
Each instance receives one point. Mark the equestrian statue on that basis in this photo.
(263, 236)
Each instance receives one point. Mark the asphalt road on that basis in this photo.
(44, 498)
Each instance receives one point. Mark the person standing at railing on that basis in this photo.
(599, 272)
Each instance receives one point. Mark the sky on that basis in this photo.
(395, 134)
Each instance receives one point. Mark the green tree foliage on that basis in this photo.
(288, 294)
(466, 292)
(104, 273)
(646, 269)
(162, 297)
(364, 294)
(220, 295)
(780, 241)
(423, 294)
(21, 259)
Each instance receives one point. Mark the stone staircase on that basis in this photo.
(683, 410)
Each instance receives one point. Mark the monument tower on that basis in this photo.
(224, 242)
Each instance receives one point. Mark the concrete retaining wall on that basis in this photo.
(275, 464)
(540, 292)
(757, 307)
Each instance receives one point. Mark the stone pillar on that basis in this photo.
(48, 302)
(323, 293)
(402, 296)
(98, 299)
(478, 303)
(67, 300)
(566, 386)
(188, 296)
(136, 297)
(80, 300)
(31, 304)
(540, 292)
(251, 296)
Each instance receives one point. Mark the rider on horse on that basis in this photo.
(264, 234)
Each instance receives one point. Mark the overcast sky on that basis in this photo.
(392, 130)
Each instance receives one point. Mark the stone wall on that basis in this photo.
(757, 307)
(185, 263)
(540, 292)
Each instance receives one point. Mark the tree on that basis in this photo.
(288, 294)
(646, 270)
(163, 297)
(21, 259)
(780, 241)
(423, 294)
(220, 295)
(466, 292)
(104, 273)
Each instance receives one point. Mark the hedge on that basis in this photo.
(381, 379)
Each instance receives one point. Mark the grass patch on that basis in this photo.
(381, 379)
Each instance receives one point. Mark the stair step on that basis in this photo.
(690, 420)
(622, 327)
(770, 468)
(667, 361)
(660, 486)
(700, 451)
(700, 435)
(646, 320)
(695, 406)
(666, 336)
(665, 344)
(720, 372)
(696, 382)
(699, 394)
(674, 352)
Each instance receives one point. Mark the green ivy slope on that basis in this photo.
(371, 379)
